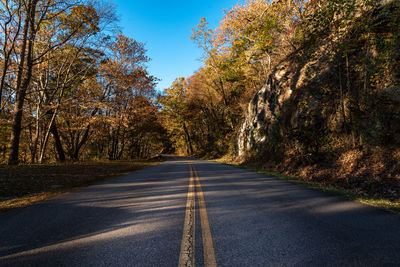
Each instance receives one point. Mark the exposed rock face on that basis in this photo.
(259, 118)
(263, 112)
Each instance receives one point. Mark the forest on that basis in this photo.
(308, 88)
(73, 86)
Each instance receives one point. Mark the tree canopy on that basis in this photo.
(73, 86)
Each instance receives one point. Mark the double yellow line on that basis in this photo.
(187, 255)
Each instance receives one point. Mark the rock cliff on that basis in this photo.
(263, 113)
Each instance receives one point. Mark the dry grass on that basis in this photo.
(26, 184)
(348, 161)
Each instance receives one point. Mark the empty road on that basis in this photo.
(191, 212)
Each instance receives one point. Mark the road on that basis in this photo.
(187, 211)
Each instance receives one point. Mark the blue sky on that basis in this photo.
(165, 28)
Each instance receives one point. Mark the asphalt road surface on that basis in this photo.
(185, 212)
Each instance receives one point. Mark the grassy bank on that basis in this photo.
(352, 194)
(26, 184)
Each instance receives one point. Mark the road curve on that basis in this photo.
(140, 219)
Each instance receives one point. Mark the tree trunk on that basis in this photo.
(188, 139)
(53, 114)
(342, 99)
(121, 151)
(36, 139)
(21, 89)
(57, 143)
(81, 143)
(7, 54)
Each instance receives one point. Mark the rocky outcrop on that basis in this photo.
(263, 112)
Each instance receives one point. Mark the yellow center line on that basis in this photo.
(208, 244)
(187, 254)
(186, 257)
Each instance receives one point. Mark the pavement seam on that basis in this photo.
(187, 253)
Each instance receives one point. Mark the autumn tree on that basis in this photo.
(67, 69)
(59, 21)
(174, 109)
(120, 79)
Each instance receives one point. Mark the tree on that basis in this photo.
(64, 21)
(175, 109)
